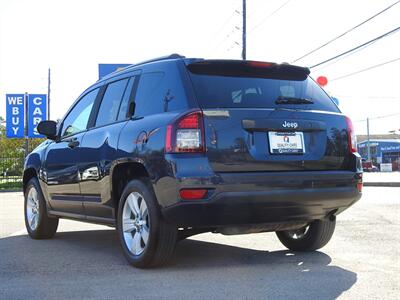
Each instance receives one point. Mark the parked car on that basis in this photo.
(368, 166)
(176, 146)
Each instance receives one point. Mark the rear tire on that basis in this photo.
(312, 237)
(146, 239)
(38, 224)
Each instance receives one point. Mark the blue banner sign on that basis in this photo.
(15, 115)
(37, 112)
(105, 69)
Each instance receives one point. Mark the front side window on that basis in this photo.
(110, 104)
(78, 117)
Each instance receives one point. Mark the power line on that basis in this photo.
(236, 12)
(379, 117)
(358, 47)
(388, 98)
(227, 21)
(342, 57)
(346, 32)
(270, 15)
(366, 69)
(235, 43)
(232, 32)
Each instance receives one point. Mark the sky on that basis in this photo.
(73, 36)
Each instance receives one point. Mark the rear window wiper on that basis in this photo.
(292, 100)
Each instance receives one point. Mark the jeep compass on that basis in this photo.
(172, 147)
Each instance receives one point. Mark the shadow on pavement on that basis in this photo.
(90, 264)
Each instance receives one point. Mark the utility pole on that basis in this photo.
(368, 146)
(48, 94)
(244, 31)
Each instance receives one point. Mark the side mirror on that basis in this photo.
(48, 128)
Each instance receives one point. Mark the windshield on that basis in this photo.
(215, 91)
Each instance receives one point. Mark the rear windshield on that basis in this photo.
(215, 91)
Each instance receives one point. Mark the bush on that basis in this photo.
(12, 153)
(11, 185)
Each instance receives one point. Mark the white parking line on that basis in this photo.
(19, 232)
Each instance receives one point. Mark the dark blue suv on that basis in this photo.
(177, 146)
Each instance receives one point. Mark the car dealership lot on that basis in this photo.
(84, 261)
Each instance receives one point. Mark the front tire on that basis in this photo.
(146, 239)
(309, 238)
(38, 224)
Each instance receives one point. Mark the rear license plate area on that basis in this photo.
(286, 142)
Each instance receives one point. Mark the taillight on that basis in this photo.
(352, 139)
(186, 134)
(193, 194)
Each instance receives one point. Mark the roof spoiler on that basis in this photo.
(247, 68)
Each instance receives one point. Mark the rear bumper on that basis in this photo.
(267, 198)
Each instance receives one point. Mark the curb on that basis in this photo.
(387, 184)
(11, 191)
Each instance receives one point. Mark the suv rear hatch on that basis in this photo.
(268, 117)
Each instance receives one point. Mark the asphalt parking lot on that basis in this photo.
(362, 261)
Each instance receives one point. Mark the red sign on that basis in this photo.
(322, 81)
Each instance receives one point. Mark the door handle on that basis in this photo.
(73, 143)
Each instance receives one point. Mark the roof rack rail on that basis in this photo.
(171, 56)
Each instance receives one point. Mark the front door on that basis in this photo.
(62, 176)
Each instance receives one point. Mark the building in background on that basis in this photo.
(105, 69)
(384, 149)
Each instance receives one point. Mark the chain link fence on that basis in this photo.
(12, 156)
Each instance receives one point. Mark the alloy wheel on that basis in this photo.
(32, 209)
(299, 233)
(135, 223)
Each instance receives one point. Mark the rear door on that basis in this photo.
(267, 117)
(100, 143)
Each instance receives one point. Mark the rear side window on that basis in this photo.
(159, 92)
(78, 117)
(149, 94)
(213, 91)
(110, 104)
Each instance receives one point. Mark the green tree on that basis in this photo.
(12, 152)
